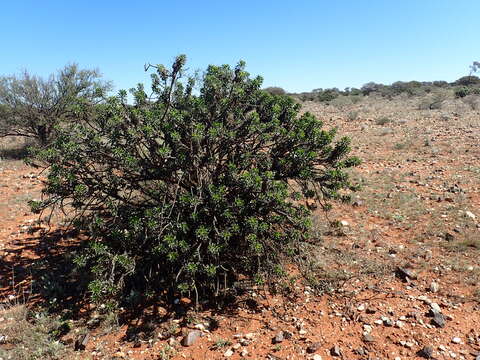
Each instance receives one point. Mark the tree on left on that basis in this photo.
(34, 107)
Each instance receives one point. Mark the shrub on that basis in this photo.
(383, 121)
(432, 102)
(33, 107)
(275, 90)
(327, 94)
(352, 115)
(462, 92)
(468, 80)
(183, 191)
(473, 101)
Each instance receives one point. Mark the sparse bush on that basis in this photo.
(462, 92)
(275, 90)
(181, 192)
(468, 81)
(352, 115)
(473, 101)
(432, 102)
(383, 121)
(327, 94)
(33, 107)
(32, 337)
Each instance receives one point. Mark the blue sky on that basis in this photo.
(298, 45)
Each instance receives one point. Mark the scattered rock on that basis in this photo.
(316, 357)
(336, 351)
(368, 338)
(435, 308)
(191, 337)
(456, 340)
(438, 320)
(244, 353)
(228, 353)
(434, 287)
(426, 352)
(406, 274)
(313, 347)
(387, 321)
(278, 338)
(81, 342)
(470, 215)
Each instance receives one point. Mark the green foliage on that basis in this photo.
(383, 120)
(462, 92)
(468, 80)
(182, 191)
(275, 90)
(31, 106)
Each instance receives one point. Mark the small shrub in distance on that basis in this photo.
(462, 92)
(352, 115)
(181, 192)
(275, 90)
(383, 121)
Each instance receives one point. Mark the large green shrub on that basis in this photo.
(185, 190)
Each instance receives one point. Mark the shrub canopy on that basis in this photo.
(185, 189)
(31, 106)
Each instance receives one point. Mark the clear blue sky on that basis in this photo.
(299, 45)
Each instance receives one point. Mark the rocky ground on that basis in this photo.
(396, 274)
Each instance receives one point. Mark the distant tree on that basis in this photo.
(33, 107)
(275, 90)
(474, 67)
(370, 87)
(468, 80)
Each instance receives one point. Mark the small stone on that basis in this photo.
(367, 328)
(278, 338)
(438, 320)
(228, 353)
(387, 321)
(360, 351)
(361, 307)
(470, 215)
(200, 327)
(191, 337)
(313, 347)
(336, 351)
(435, 308)
(344, 223)
(406, 274)
(244, 353)
(81, 342)
(434, 287)
(368, 338)
(426, 352)
(456, 340)
(317, 357)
